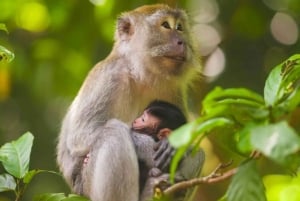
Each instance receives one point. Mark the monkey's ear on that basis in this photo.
(163, 133)
(125, 28)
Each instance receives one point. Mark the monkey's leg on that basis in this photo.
(112, 170)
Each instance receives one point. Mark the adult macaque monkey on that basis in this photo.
(154, 57)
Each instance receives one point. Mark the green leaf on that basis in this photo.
(235, 93)
(50, 197)
(278, 142)
(6, 56)
(282, 83)
(290, 102)
(183, 137)
(59, 197)
(187, 133)
(29, 175)
(3, 27)
(246, 184)
(7, 183)
(285, 187)
(243, 138)
(272, 86)
(239, 104)
(15, 156)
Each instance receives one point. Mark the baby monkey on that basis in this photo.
(158, 120)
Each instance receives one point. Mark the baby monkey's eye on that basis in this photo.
(179, 27)
(166, 25)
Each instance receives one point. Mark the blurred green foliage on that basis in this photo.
(56, 43)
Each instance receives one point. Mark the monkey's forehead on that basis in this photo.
(159, 9)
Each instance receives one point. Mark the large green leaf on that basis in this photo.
(282, 84)
(15, 155)
(246, 184)
(278, 142)
(240, 104)
(7, 183)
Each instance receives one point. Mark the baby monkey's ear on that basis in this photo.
(163, 133)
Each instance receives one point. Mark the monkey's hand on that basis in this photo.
(154, 172)
(163, 155)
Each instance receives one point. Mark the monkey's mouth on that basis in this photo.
(176, 58)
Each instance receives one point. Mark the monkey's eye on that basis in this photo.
(179, 27)
(166, 25)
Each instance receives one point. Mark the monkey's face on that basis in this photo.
(160, 37)
(168, 48)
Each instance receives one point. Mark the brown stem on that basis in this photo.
(213, 177)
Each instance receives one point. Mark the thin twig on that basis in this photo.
(213, 177)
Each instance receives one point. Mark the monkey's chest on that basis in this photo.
(133, 103)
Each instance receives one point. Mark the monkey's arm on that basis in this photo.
(144, 147)
(153, 154)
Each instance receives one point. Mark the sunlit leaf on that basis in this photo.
(283, 187)
(282, 82)
(7, 183)
(6, 55)
(246, 184)
(290, 193)
(279, 142)
(15, 155)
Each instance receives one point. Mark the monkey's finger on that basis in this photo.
(164, 158)
(157, 145)
(167, 160)
(162, 147)
(166, 165)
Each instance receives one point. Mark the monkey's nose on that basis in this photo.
(179, 42)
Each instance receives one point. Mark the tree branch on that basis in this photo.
(213, 177)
